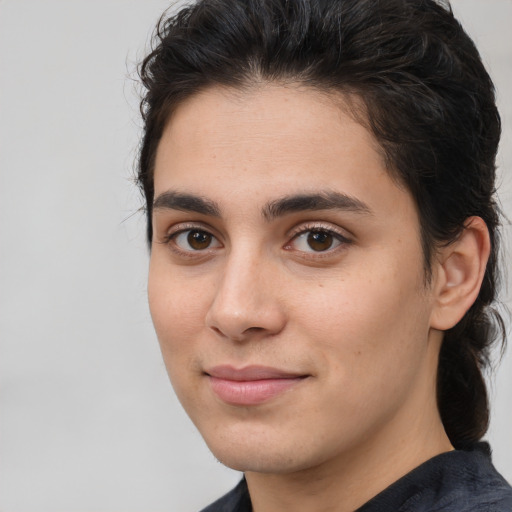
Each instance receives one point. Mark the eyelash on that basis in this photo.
(304, 229)
(343, 241)
(170, 240)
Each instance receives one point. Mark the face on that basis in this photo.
(286, 280)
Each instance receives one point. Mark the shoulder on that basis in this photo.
(473, 484)
(458, 481)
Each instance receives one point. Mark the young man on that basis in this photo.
(319, 178)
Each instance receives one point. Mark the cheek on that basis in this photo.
(372, 323)
(178, 308)
(370, 345)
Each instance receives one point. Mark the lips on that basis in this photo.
(251, 385)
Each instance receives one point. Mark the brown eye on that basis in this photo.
(195, 240)
(317, 241)
(199, 240)
(320, 240)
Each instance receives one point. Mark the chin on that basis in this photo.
(259, 462)
(261, 454)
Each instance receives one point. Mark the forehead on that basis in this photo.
(242, 148)
(264, 111)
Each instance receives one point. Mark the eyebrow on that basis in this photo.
(186, 202)
(328, 200)
(325, 200)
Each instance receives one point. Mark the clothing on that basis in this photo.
(457, 481)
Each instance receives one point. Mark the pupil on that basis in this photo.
(320, 240)
(199, 239)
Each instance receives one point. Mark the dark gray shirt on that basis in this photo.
(457, 481)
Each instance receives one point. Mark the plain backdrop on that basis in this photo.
(88, 420)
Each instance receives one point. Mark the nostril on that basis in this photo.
(216, 330)
(253, 330)
(246, 334)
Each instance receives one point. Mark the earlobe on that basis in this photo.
(459, 274)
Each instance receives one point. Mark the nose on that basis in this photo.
(248, 302)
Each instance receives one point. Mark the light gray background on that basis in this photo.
(88, 421)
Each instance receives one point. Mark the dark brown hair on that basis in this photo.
(428, 101)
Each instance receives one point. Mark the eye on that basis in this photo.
(317, 240)
(195, 240)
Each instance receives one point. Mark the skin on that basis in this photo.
(355, 319)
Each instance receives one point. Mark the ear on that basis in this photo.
(460, 269)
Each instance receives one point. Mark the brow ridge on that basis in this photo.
(172, 200)
(325, 200)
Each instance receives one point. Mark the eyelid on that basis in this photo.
(338, 233)
(342, 234)
(182, 227)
